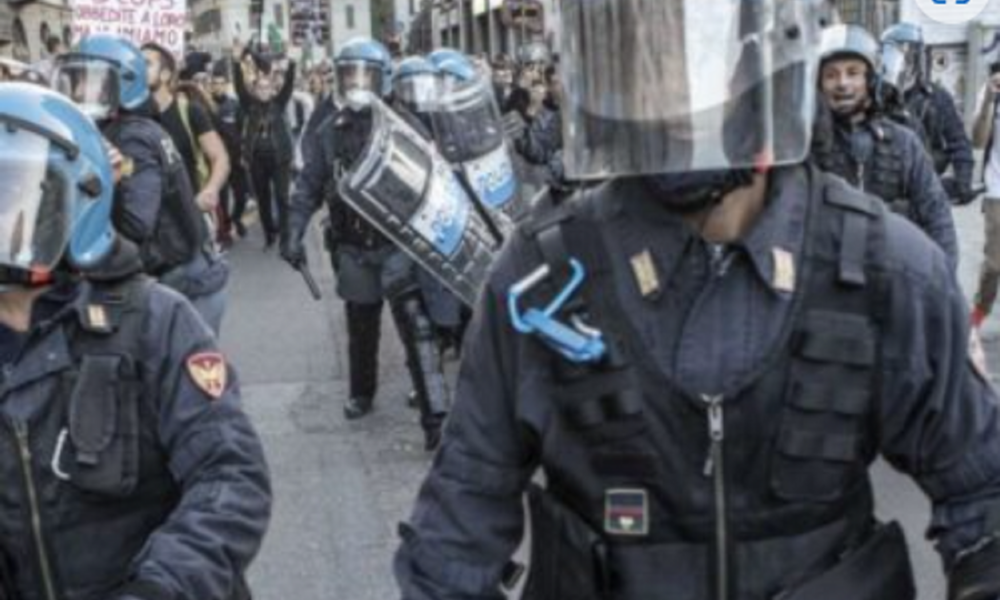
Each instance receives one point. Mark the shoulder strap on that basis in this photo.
(110, 318)
(858, 212)
(184, 108)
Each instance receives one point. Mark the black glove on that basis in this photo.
(292, 251)
(960, 191)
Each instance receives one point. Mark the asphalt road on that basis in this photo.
(342, 487)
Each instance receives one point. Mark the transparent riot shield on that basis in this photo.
(471, 135)
(410, 193)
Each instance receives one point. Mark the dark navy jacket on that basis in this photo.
(174, 502)
(717, 320)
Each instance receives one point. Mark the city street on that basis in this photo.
(341, 487)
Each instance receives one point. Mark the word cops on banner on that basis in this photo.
(160, 21)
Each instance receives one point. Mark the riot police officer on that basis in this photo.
(369, 267)
(706, 354)
(931, 106)
(853, 140)
(130, 470)
(154, 203)
(416, 92)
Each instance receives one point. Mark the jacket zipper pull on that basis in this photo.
(715, 431)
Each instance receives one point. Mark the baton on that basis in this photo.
(307, 276)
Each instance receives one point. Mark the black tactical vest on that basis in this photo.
(86, 478)
(345, 142)
(743, 497)
(180, 231)
(882, 174)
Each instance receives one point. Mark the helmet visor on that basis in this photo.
(418, 91)
(34, 201)
(467, 123)
(654, 87)
(358, 75)
(902, 64)
(92, 84)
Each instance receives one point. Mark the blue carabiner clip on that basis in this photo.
(577, 342)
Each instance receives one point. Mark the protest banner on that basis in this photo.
(160, 21)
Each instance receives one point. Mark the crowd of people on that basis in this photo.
(700, 281)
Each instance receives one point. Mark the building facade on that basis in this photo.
(484, 26)
(25, 25)
(328, 23)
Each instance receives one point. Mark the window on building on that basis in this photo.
(350, 16)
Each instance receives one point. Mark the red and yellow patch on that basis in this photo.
(208, 371)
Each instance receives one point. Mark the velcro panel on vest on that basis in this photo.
(833, 397)
(93, 410)
(600, 398)
(831, 337)
(826, 446)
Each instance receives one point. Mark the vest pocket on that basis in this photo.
(98, 452)
(814, 466)
(821, 443)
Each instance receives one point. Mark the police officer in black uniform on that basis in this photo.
(130, 471)
(706, 357)
(154, 202)
(931, 106)
(370, 269)
(855, 141)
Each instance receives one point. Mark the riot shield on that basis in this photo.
(472, 135)
(409, 192)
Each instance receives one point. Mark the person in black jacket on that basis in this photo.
(268, 147)
(229, 123)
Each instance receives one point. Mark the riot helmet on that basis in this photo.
(415, 83)
(467, 122)
(102, 74)
(534, 53)
(849, 69)
(442, 54)
(364, 70)
(58, 185)
(687, 85)
(904, 60)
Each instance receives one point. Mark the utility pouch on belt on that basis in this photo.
(877, 570)
(568, 558)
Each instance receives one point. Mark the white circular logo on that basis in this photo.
(952, 12)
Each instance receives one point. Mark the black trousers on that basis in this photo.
(364, 328)
(271, 185)
(234, 195)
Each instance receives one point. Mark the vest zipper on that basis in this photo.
(21, 434)
(715, 468)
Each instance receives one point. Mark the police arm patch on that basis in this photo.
(209, 373)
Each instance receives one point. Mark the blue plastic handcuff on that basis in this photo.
(576, 341)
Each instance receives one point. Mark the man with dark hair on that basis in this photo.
(190, 126)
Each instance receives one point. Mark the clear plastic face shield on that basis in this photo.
(467, 123)
(92, 84)
(34, 201)
(902, 65)
(687, 85)
(419, 92)
(358, 81)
